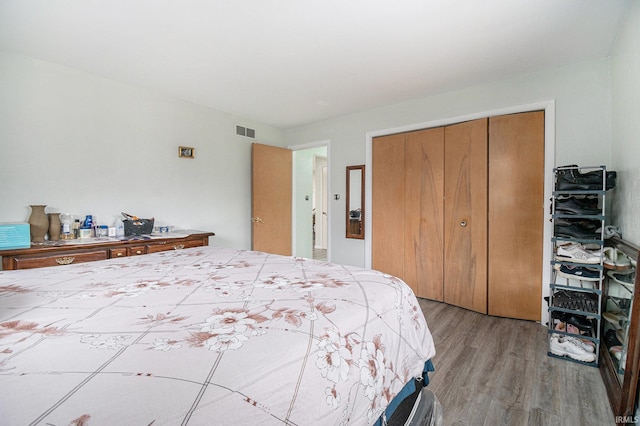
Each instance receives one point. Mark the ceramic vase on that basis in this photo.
(39, 224)
(55, 226)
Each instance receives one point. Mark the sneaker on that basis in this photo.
(574, 252)
(626, 278)
(578, 272)
(569, 347)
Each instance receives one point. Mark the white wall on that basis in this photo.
(583, 127)
(87, 145)
(625, 95)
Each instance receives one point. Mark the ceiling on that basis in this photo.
(292, 62)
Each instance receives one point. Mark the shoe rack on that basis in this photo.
(620, 347)
(577, 267)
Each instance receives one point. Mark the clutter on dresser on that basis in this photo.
(579, 262)
(49, 228)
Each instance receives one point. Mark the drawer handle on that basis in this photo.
(67, 260)
(178, 247)
(119, 255)
(138, 251)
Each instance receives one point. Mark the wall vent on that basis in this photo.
(246, 132)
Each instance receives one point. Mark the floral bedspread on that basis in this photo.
(205, 336)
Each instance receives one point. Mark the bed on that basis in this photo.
(207, 335)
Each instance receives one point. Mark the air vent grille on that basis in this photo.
(246, 132)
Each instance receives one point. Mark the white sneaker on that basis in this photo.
(574, 252)
(585, 344)
(567, 346)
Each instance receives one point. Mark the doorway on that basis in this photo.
(310, 201)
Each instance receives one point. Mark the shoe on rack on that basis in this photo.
(569, 346)
(582, 273)
(616, 318)
(615, 259)
(611, 339)
(576, 230)
(572, 205)
(580, 322)
(621, 335)
(626, 278)
(616, 352)
(575, 300)
(574, 252)
(569, 177)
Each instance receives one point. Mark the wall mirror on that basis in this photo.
(355, 202)
(620, 334)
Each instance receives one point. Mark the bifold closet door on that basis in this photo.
(465, 213)
(424, 210)
(407, 213)
(387, 200)
(516, 215)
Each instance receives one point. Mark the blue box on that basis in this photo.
(15, 236)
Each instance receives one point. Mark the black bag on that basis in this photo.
(138, 226)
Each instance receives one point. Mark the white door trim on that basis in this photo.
(549, 108)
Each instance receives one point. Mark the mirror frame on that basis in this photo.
(350, 230)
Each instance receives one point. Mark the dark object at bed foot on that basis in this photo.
(421, 408)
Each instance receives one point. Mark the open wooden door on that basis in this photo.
(516, 215)
(271, 181)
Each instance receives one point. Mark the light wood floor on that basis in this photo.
(495, 371)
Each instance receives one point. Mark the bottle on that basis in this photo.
(67, 232)
(119, 228)
(88, 222)
(76, 229)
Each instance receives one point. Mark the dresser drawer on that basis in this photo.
(69, 252)
(118, 252)
(136, 250)
(41, 261)
(165, 246)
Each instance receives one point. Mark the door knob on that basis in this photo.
(257, 220)
(463, 223)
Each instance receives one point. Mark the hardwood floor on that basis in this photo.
(495, 371)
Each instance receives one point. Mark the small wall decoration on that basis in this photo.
(186, 152)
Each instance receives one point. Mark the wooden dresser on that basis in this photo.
(78, 251)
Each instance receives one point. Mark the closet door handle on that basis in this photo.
(463, 223)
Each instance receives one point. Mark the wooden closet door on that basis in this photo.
(387, 199)
(516, 214)
(465, 227)
(424, 210)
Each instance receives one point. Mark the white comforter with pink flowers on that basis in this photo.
(205, 336)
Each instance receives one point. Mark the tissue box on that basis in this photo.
(14, 236)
